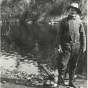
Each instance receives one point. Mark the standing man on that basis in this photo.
(71, 38)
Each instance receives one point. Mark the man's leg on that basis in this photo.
(63, 61)
(73, 64)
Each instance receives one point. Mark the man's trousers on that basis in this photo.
(68, 58)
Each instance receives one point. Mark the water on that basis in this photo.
(26, 46)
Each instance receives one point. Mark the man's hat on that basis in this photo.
(74, 5)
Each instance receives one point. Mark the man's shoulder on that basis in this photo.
(64, 19)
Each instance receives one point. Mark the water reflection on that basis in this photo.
(31, 42)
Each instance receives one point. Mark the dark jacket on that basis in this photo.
(71, 30)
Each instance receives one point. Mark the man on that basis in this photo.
(72, 41)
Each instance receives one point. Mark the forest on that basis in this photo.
(38, 10)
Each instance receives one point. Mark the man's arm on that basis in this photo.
(82, 37)
(59, 34)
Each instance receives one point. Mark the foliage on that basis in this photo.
(37, 10)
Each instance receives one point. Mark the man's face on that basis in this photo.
(72, 12)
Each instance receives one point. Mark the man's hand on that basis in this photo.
(83, 50)
(60, 50)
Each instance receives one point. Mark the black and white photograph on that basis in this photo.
(43, 43)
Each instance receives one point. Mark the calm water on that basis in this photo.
(26, 46)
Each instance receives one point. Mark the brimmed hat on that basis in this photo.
(74, 5)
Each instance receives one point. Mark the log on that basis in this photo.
(51, 76)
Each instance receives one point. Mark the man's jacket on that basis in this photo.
(71, 30)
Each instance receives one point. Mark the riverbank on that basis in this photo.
(9, 82)
(13, 76)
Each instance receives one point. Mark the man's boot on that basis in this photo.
(72, 84)
(60, 80)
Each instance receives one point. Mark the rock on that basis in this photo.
(16, 81)
(19, 75)
(21, 59)
(75, 76)
(48, 82)
(29, 22)
(4, 81)
(66, 83)
(26, 60)
(29, 78)
(8, 72)
(55, 85)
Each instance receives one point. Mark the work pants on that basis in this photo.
(68, 58)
